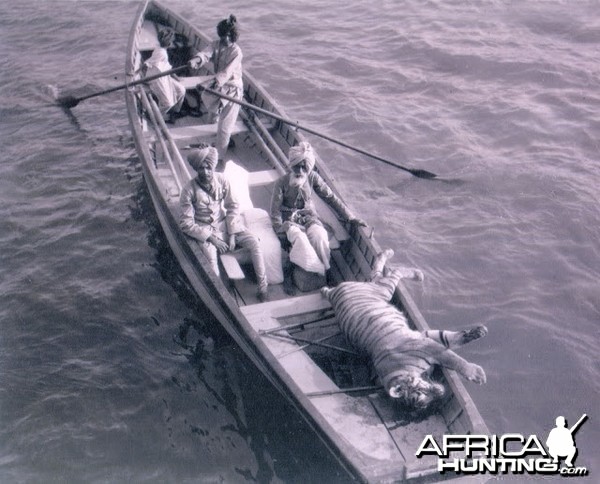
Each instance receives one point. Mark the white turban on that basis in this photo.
(197, 157)
(302, 152)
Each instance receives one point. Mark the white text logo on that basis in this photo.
(508, 453)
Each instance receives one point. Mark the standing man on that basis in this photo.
(210, 214)
(226, 57)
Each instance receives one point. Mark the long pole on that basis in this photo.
(72, 101)
(415, 172)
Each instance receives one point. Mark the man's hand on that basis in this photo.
(358, 221)
(288, 225)
(195, 62)
(232, 242)
(220, 244)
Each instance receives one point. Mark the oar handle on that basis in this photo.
(418, 173)
(135, 83)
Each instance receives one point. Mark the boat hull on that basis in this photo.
(364, 432)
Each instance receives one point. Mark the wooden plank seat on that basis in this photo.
(200, 132)
(262, 178)
(197, 133)
(190, 82)
(231, 266)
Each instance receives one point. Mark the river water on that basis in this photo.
(111, 370)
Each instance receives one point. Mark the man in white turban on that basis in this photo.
(293, 211)
(210, 214)
(169, 91)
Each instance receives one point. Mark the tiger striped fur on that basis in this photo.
(402, 357)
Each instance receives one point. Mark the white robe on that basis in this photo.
(167, 89)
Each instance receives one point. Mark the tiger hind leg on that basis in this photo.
(454, 339)
(382, 279)
(380, 271)
(379, 264)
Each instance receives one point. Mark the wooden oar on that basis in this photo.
(371, 389)
(72, 101)
(312, 342)
(287, 327)
(418, 173)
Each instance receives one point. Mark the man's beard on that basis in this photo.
(205, 179)
(297, 180)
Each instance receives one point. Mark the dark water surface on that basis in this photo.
(111, 370)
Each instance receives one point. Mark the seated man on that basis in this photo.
(210, 214)
(169, 91)
(293, 211)
(402, 357)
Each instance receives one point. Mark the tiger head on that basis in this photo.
(414, 391)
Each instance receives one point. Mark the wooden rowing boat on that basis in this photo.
(293, 340)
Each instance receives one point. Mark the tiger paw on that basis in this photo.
(474, 373)
(418, 275)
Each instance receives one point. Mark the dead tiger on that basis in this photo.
(403, 358)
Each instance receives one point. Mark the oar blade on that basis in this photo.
(68, 102)
(423, 174)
